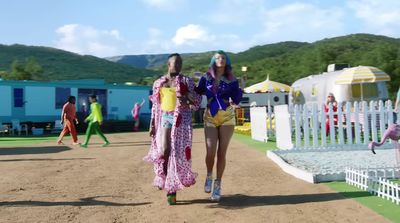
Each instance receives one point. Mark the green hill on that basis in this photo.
(284, 62)
(288, 61)
(358, 49)
(152, 61)
(62, 65)
(140, 61)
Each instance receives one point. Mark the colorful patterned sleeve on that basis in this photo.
(201, 87)
(196, 96)
(237, 93)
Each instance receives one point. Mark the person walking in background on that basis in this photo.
(135, 115)
(223, 94)
(330, 100)
(173, 100)
(95, 119)
(68, 117)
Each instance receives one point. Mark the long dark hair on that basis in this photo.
(71, 99)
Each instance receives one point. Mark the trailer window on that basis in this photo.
(369, 90)
(18, 97)
(62, 95)
(314, 90)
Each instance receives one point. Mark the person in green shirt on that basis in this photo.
(95, 119)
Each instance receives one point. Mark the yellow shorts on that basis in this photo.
(221, 118)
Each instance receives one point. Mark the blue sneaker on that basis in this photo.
(216, 194)
(208, 184)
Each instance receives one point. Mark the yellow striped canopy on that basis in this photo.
(361, 74)
(267, 86)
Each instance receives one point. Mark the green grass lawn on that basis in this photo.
(14, 141)
(26, 140)
(261, 146)
(381, 206)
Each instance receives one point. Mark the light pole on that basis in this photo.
(244, 77)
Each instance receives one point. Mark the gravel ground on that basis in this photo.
(329, 162)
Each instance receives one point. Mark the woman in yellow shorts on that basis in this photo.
(223, 93)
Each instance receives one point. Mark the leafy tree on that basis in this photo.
(32, 67)
(27, 70)
(18, 71)
(3, 74)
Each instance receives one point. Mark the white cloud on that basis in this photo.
(165, 5)
(190, 34)
(197, 38)
(380, 17)
(88, 40)
(155, 43)
(300, 22)
(188, 38)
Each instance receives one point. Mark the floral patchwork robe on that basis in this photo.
(179, 169)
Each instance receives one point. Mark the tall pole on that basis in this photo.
(244, 77)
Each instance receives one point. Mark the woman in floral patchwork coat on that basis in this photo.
(174, 98)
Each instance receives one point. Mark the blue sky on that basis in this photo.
(109, 28)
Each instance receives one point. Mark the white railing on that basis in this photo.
(357, 124)
(371, 180)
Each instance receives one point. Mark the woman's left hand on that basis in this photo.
(235, 106)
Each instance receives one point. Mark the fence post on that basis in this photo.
(306, 127)
(396, 194)
(349, 129)
(383, 118)
(283, 126)
(297, 116)
(357, 123)
(366, 120)
(331, 124)
(389, 110)
(340, 124)
(373, 122)
(323, 127)
(314, 115)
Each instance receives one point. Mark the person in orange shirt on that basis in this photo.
(68, 117)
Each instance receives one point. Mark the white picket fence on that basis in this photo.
(261, 123)
(357, 124)
(375, 181)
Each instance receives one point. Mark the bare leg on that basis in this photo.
(166, 146)
(225, 134)
(211, 146)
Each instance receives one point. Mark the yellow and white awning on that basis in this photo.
(361, 74)
(267, 86)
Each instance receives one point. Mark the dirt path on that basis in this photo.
(67, 184)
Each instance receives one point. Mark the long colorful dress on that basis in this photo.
(179, 170)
